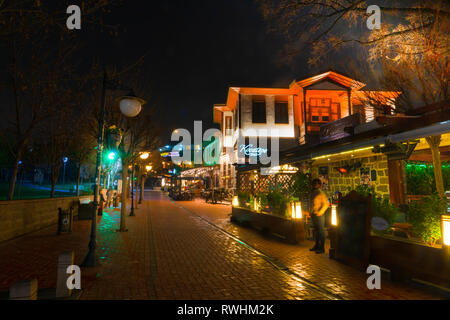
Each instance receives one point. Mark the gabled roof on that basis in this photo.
(334, 77)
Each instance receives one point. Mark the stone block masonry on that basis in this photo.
(19, 217)
(349, 181)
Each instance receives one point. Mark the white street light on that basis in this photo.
(130, 105)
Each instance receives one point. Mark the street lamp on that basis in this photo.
(65, 159)
(130, 106)
(144, 155)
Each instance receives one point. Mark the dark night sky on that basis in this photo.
(196, 50)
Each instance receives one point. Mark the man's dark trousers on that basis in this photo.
(319, 231)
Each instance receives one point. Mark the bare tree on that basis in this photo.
(319, 27)
(140, 134)
(27, 28)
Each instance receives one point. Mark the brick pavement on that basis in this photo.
(170, 253)
(325, 272)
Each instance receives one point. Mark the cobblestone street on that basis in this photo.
(188, 250)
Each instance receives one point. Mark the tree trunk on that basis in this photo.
(123, 209)
(78, 180)
(54, 179)
(135, 192)
(434, 142)
(141, 194)
(12, 183)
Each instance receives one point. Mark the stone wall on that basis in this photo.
(349, 181)
(19, 217)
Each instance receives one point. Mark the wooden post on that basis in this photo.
(397, 182)
(65, 259)
(24, 290)
(434, 142)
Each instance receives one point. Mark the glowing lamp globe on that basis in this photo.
(130, 105)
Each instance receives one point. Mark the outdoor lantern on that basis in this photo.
(235, 202)
(445, 230)
(296, 210)
(334, 215)
(130, 105)
(148, 168)
(255, 203)
(144, 156)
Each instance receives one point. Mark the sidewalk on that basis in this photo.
(171, 252)
(320, 269)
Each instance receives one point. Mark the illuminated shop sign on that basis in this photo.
(174, 154)
(251, 151)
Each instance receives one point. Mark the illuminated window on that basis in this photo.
(281, 112)
(259, 112)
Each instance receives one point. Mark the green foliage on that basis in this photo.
(301, 186)
(420, 178)
(243, 197)
(384, 209)
(278, 202)
(380, 207)
(365, 190)
(262, 200)
(425, 217)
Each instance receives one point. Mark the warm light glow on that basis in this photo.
(163, 182)
(255, 204)
(296, 210)
(445, 230)
(334, 215)
(344, 152)
(235, 202)
(148, 168)
(144, 156)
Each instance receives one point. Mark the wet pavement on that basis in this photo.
(188, 250)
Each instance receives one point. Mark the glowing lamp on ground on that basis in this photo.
(235, 202)
(130, 105)
(334, 221)
(296, 210)
(144, 155)
(255, 204)
(445, 229)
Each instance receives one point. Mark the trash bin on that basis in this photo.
(65, 220)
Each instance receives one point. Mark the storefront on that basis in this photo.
(391, 176)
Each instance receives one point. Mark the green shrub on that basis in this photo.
(425, 217)
(420, 178)
(301, 186)
(278, 202)
(380, 207)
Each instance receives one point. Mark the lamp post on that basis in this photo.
(130, 106)
(65, 159)
(132, 192)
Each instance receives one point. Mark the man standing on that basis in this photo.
(318, 205)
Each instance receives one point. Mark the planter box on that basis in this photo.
(407, 260)
(290, 230)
